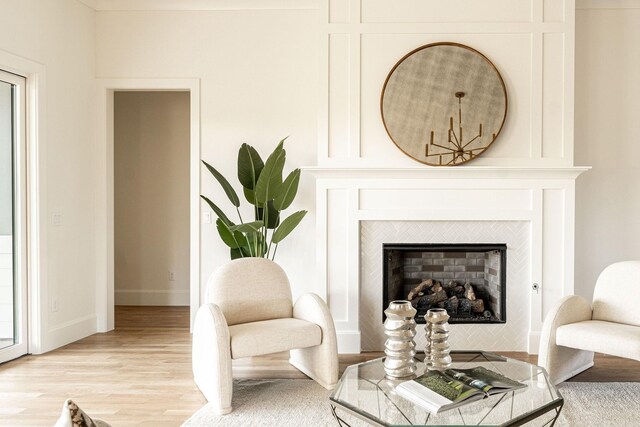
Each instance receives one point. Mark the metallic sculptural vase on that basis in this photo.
(436, 352)
(400, 348)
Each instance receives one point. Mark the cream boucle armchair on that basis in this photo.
(248, 311)
(573, 330)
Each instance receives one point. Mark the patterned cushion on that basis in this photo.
(73, 416)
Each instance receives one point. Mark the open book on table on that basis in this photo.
(437, 391)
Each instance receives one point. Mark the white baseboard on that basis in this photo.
(68, 332)
(534, 342)
(151, 297)
(348, 342)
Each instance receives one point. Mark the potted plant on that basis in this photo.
(264, 188)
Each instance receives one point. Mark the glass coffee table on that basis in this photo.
(365, 393)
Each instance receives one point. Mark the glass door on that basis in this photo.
(13, 210)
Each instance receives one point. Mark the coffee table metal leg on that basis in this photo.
(558, 410)
(341, 422)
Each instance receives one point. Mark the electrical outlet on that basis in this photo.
(172, 276)
(54, 304)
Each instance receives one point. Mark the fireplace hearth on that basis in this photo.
(468, 280)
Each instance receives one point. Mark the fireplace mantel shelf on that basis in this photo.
(458, 172)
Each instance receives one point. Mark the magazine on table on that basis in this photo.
(438, 391)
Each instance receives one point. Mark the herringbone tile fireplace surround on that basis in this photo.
(510, 336)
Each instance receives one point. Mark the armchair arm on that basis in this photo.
(559, 362)
(320, 362)
(211, 356)
(312, 308)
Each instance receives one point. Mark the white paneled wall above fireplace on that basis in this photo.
(531, 42)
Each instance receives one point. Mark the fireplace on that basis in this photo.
(469, 279)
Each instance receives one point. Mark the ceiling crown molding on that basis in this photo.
(607, 4)
(138, 5)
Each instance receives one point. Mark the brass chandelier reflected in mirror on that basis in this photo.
(457, 148)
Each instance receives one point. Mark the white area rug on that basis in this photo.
(304, 403)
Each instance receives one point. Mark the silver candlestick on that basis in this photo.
(400, 348)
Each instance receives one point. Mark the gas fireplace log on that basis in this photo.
(437, 287)
(451, 304)
(469, 293)
(477, 306)
(422, 287)
(469, 306)
(449, 287)
(435, 298)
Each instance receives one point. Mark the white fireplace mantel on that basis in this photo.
(541, 198)
(459, 172)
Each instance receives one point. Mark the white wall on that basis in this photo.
(58, 36)
(607, 129)
(259, 74)
(258, 71)
(151, 153)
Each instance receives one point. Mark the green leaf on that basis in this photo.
(236, 253)
(250, 195)
(270, 180)
(228, 189)
(256, 241)
(249, 166)
(288, 191)
(218, 211)
(273, 215)
(233, 239)
(248, 227)
(240, 253)
(287, 226)
(281, 143)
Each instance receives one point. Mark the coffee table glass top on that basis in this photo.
(364, 392)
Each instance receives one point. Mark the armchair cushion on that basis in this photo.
(603, 337)
(272, 336)
(261, 278)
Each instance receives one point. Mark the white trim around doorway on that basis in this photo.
(39, 340)
(105, 211)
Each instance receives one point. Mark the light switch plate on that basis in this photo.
(56, 219)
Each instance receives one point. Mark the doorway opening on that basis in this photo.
(151, 141)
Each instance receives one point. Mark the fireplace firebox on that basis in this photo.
(468, 280)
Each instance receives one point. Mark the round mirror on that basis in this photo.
(444, 104)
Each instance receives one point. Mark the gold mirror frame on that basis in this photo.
(419, 129)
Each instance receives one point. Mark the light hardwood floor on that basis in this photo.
(140, 373)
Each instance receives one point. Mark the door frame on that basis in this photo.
(105, 269)
(19, 219)
(36, 191)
